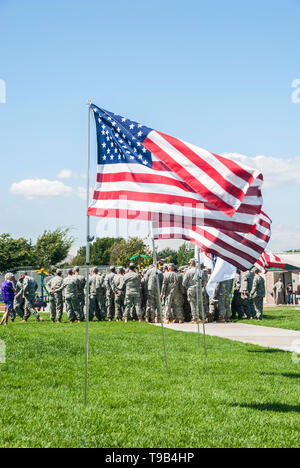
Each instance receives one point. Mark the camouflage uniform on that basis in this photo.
(258, 293)
(246, 285)
(110, 295)
(236, 301)
(132, 283)
(71, 298)
(220, 293)
(228, 288)
(152, 310)
(278, 292)
(172, 290)
(81, 282)
(95, 290)
(56, 299)
(190, 283)
(204, 277)
(30, 287)
(18, 306)
(118, 285)
(144, 292)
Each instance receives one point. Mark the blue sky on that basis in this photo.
(218, 74)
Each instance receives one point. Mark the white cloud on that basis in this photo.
(81, 191)
(69, 174)
(276, 171)
(283, 239)
(36, 188)
(65, 174)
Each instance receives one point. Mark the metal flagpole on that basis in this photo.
(201, 297)
(159, 302)
(88, 240)
(197, 294)
(197, 299)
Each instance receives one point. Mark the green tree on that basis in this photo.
(169, 255)
(99, 253)
(80, 257)
(15, 253)
(53, 247)
(121, 252)
(185, 252)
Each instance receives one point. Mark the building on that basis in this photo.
(291, 274)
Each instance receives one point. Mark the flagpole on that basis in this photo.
(88, 240)
(197, 300)
(201, 298)
(159, 301)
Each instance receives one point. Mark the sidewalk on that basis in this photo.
(286, 340)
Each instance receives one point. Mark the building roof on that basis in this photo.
(290, 258)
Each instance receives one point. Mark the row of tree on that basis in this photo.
(52, 249)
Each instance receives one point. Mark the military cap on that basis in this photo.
(59, 272)
(132, 265)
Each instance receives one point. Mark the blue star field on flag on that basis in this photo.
(120, 140)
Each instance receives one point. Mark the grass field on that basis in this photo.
(278, 317)
(243, 396)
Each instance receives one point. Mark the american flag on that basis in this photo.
(240, 249)
(269, 260)
(142, 173)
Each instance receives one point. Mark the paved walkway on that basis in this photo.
(286, 340)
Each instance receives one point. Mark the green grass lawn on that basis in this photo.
(243, 396)
(278, 317)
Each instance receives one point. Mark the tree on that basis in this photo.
(99, 253)
(121, 252)
(53, 247)
(169, 255)
(100, 250)
(15, 253)
(185, 252)
(80, 257)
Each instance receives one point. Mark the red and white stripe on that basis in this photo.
(136, 191)
(218, 180)
(240, 249)
(269, 260)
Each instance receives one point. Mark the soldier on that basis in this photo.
(223, 309)
(71, 297)
(171, 294)
(246, 286)
(119, 290)
(204, 281)
(144, 291)
(228, 290)
(190, 283)
(132, 281)
(152, 310)
(258, 293)
(81, 282)
(30, 287)
(236, 308)
(18, 306)
(110, 295)
(95, 292)
(186, 304)
(56, 299)
(278, 292)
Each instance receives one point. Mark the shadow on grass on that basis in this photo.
(274, 407)
(282, 374)
(266, 351)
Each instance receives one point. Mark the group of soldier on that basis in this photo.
(125, 294)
